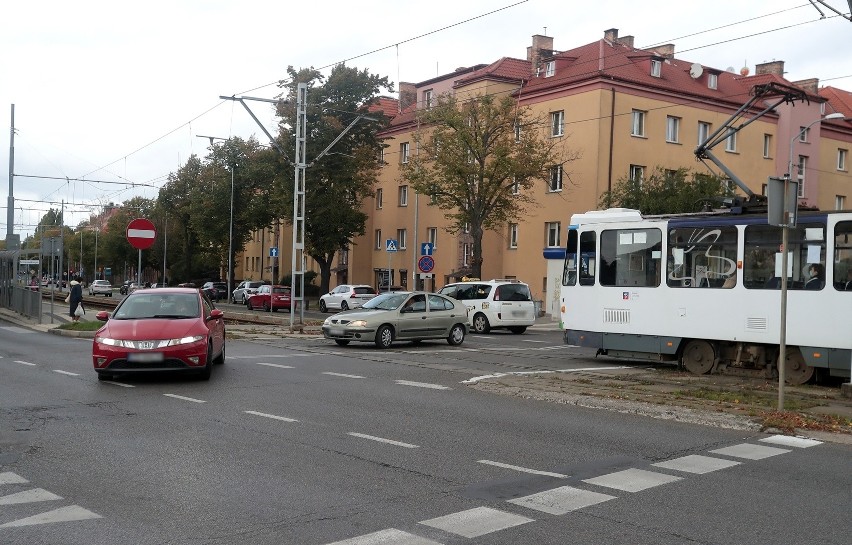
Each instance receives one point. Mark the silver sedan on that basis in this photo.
(400, 316)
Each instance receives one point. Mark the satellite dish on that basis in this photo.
(695, 71)
(730, 69)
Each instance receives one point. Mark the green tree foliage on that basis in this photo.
(338, 182)
(666, 192)
(117, 251)
(176, 204)
(471, 159)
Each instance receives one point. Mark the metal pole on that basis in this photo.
(231, 227)
(165, 244)
(139, 271)
(10, 201)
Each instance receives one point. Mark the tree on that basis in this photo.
(338, 182)
(478, 168)
(666, 192)
(113, 238)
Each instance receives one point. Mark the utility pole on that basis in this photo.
(10, 201)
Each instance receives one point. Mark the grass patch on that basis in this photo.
(790, 421)
(82, 325)
(745, 397)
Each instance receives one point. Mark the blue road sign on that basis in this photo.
(273, 251)
(391, 245)
(427, 248)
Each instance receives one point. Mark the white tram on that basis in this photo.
(704, 290)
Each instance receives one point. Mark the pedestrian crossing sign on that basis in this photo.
(391, 245)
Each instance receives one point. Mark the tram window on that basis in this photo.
(702, 257)
(588, 258)
(631, 257)
(762, 259)
(569, 272)
(843, 256)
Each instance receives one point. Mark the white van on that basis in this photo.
(495, 304)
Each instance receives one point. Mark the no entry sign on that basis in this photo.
(141, 233)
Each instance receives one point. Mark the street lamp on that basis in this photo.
(789, 221)
(231, 222)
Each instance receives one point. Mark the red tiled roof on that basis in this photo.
(387, 105)
(838, 100)
(505, 68)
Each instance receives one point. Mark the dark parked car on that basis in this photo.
(216, 291)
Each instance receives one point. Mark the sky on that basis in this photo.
(117, 92)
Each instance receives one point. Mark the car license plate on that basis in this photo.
(518, 313)
(336, 332)
(145, 357)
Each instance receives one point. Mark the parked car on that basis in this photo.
(100, 287)
(243, 290)
(168, 329)
(346, 296)
(495, 304)
(269, 298)
(215, 290)
(400, 316)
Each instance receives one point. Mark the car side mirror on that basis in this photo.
(215, 314)
(102, 316)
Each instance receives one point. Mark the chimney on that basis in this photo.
(666, 50)
(542, 46)
(810, 85)
(407, 95)
(611, 35)
(774, 67)
(627, 41)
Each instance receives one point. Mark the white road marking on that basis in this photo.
(344, 375)
(533, 341)
(11, 478)
(387, 537)
(123, 385)
(749, 452)
(476, 522)
(632, 480)
(63, 514)
(16, 329)
(789, 441)
(697, 464)
(69, 373)
(523, 469)
(25, 363)
(278, 365)
(268, 356)
(562, 500)
(185, 398)
(29, 496)
(266, 415)
(422, 385)
(474, 380)
(382, 440)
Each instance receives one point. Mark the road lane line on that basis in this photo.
(382, 440)
(274, 417)
(474, 380)
(123, 385)
(25, 363)
(63, 514)
(69, 373)
(269, 356)
(278, 365)
(344, 375)
(533, 341)
(29, 496)
(422, 385)
(7, 477)
(185, 398)
(523, 469)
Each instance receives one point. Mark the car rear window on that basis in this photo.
(280, 290)
(365, 291)
(513, 292)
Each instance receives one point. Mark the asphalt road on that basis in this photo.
(299, 441)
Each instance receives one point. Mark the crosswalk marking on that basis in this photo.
(523, 469)
(476, 522)
(278, 365)
(185, 398)
(8, 477)
(562, 500)
(788, 441)
(29, 496)
(344, 375)
(422, 385)
(382, 440)
(750, 452)
(391, 536)
(696, 464)
(266, 415)
(632, 480)
(63, 514)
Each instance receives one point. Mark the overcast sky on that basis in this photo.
(117, 91)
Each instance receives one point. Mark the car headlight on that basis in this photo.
(183, 340)
(358, 323)
(327, 321)
(110, 342)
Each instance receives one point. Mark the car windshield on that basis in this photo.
(386, 301)
(141, 306)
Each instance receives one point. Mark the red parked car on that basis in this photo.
(165, 329)
(269, 298)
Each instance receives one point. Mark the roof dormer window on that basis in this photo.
(656, 67)
(712, 81)
(550, 69)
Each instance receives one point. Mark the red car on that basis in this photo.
(278, 295)
(165, 329)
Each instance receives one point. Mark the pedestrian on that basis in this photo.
(75, 297)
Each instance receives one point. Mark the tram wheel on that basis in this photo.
(796, 371)
(698, 357)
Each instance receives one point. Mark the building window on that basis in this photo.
(403, 195)
(841, 158)
(803, 134)
(343, 257)
(803, 164)
(557, 122)
(379, 239)
(556, 178)
(712, 81)
(467, 250)
(637, 173)
(703, 132)
(767, 146)
(516, 187)
(401, 239)
(403, 152)
(552, 230)
(672, 129)
(517, 132)
(466, 229)
(550, 69)
(382, 155)
(380, 198)
(731, 142)
(638, 128)
(427, 99)
(432, 236)
(656, 67)
(513, 235)
(840, 202)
